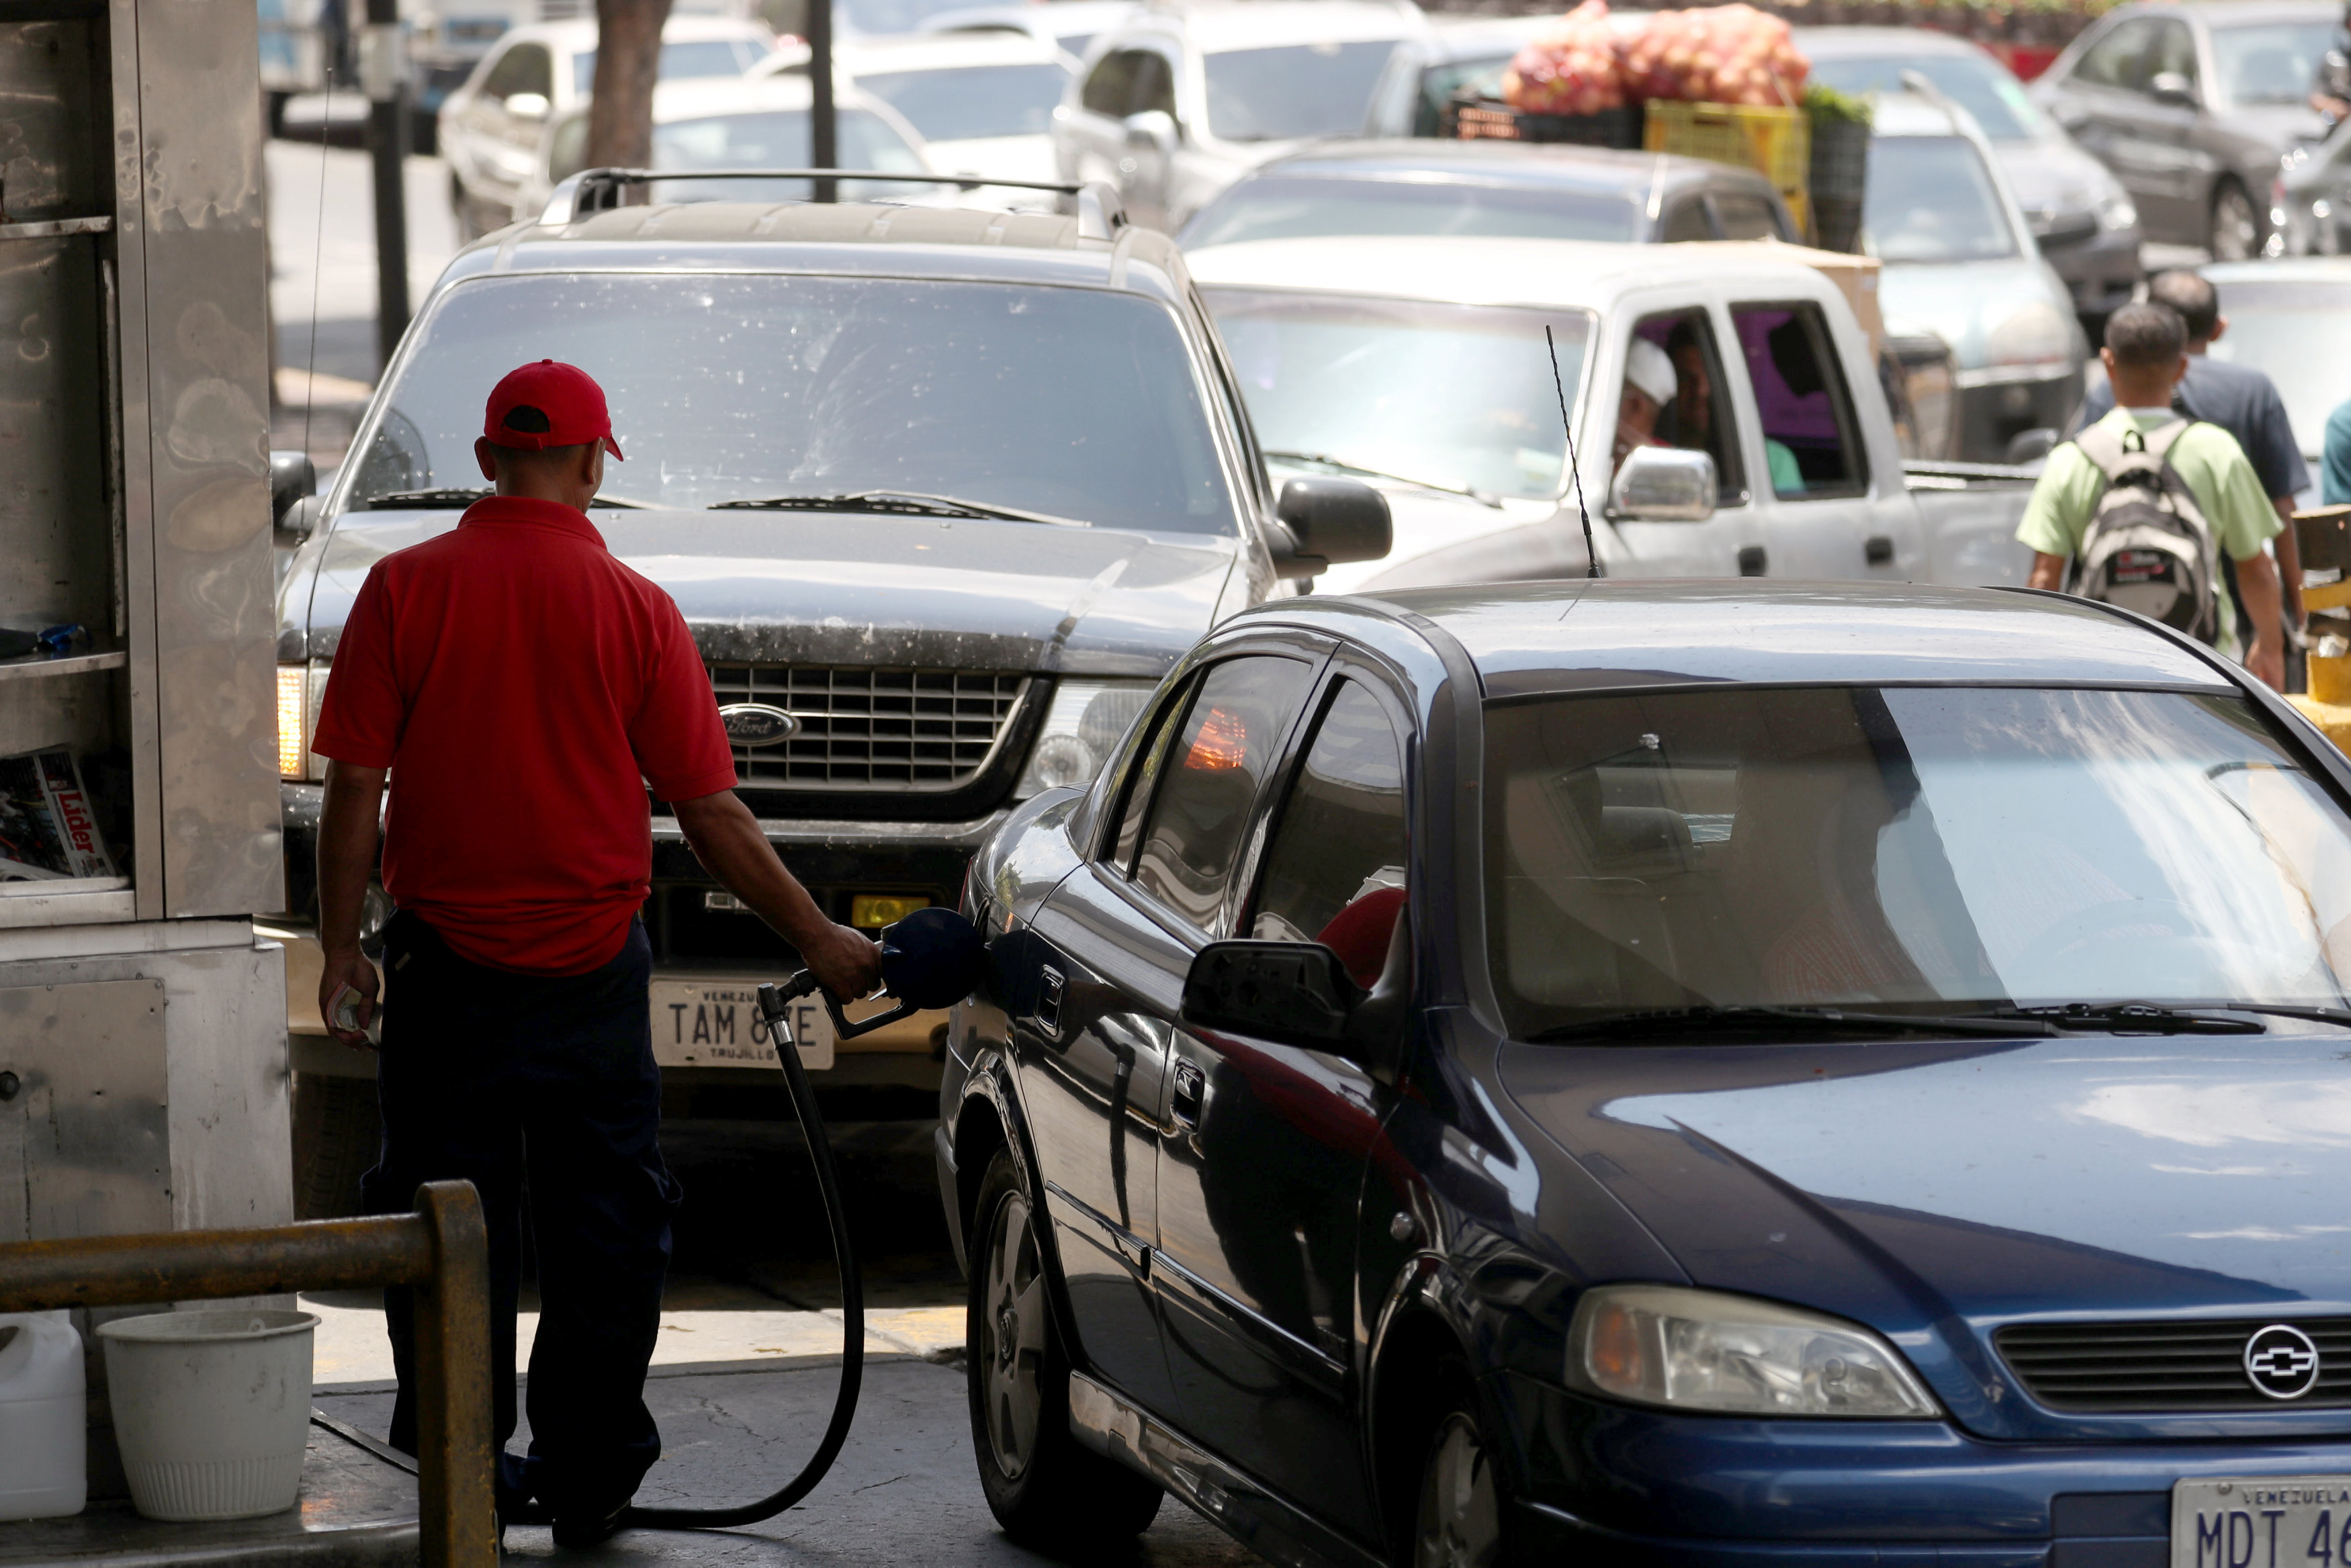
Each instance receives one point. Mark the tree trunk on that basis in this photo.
(628, 59)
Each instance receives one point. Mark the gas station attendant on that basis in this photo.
(521, 689)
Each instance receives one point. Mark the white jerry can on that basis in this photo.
(42, 1417)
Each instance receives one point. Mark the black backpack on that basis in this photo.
(2148, 547)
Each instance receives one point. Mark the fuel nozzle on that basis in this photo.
(934, 958)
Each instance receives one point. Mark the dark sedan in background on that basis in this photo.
(2192, 105)
(2081, 216)
(1726, 1073)
(1518, 189)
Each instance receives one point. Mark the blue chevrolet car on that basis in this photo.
(1728, 1073)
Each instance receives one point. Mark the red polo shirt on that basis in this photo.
(524, 688)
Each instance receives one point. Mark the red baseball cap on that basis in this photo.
(549, 404)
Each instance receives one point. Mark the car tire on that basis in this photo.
(1462, 1519)
(1045, 1488)
(2235, 231)
(338, 1131)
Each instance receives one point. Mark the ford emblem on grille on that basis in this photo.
(757, 724)
(2282, 1361)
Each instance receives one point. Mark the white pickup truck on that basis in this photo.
(1419, 364)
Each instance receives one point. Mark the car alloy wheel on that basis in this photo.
(1013, 1328)
(1460, 1512)
(2236, 228)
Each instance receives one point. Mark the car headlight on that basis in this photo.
(1082, 729)
(301, 690)
(2116, 211)
(2035, 335)
(1702, 1350)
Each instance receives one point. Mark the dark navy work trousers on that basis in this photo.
(512, 1080)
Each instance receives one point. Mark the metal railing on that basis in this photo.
(441, 1251)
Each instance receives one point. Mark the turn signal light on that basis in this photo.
(293, 713)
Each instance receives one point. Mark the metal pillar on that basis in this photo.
(384, 76)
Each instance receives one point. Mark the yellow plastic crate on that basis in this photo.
(1776, 143)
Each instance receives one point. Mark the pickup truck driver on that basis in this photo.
(521, 689)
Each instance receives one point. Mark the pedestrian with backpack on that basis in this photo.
(2136, 510)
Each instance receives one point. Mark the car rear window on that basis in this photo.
(1905, 846)
(967, 102)
(1295, 90)
(1930, 199)
(1075, 402)
(1284, 208)
(681, 61)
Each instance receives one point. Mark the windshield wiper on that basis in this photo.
(2144, 1018)
(460, 498)
(1322, 460)
(901, 503)
(1793, 1020)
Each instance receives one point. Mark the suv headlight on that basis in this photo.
(1703, 1350)
(301, 689)
(2116, 211)
(2037, 334)
(1082, 729)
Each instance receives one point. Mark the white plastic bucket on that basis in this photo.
(211, 1409)
(42, 1417)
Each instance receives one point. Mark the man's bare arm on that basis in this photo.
(2257, 579)
(2289, 561)
(347, 845)
(2048, 571)
(726, 840)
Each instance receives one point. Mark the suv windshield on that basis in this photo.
(967, 102)
(1285, 207)
(1074, 403)
(1932, 199)
(1947, 850)
(1298, 89)
(1457, 396)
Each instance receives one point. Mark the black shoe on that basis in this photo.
(573, 1531)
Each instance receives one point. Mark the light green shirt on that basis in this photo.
(2207, 459)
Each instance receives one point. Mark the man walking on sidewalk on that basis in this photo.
(2226, 511)
(522, 689)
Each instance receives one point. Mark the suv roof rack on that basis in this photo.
(1095, 204)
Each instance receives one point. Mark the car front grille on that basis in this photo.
(2124, 1366)
(878, 731)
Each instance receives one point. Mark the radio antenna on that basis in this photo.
(1590, 555)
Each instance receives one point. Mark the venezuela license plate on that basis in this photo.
(716, 1024)
(2280, 1521)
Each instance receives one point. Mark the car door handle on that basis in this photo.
(1752, 561)
(1191, 1088)
(1878, 549)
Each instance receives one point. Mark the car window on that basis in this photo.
(1930, 199)
(1192, 831)
(779, 139)
(2269, 62)
(1746, 216)
(1983, 87)
(1701, 415)
(1481, 78)
(567, 149)
(1300, 89)
(1808, 435)
(1111, 88)
(1336, 872)
(965, 102)
(2175, 51)
(2123, 58)
(1155, 84)
(525, 68)
(1686, 220)
(680, 61)
(1132, 797)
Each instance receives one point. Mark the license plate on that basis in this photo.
(716, 1024)
(2288, 1521)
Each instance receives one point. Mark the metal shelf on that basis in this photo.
(59, 885)
(54, 227)
(34, 665)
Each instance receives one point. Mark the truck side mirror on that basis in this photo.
(1153, 129)
(1329, 523)
(529, 106)
(1664, 484)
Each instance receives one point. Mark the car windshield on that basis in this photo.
(873, 17)
(966, 102)
(2298, 334)
(1930, 848)
(1074, 403)
(1281, 207)
(1980, 86)
(681, 61)
(1930, 199)
(779, 139)
(2271, 62)
(1299, 90)
(1452, 395)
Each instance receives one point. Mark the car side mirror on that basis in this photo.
(301, 520)
(529, 105)
(2067, 229)
(1297, 994)
(2174, 88)
(1154, 130)
(291, 477)
(1329, 523)
(1664, 484)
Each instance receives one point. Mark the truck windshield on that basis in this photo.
(1931, 199)
(1284, 208)
(1069, 401)
(1905, 848)
(966, 103)
(1455, 396)
(1297, 89)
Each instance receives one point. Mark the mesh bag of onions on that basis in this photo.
(1715, 54)
(1571, 68)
